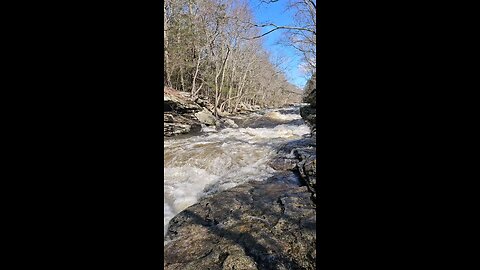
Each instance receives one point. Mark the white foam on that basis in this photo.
(275, 115)
(280, 131)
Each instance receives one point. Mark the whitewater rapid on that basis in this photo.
(198, 166)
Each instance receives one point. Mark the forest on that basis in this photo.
(213, 49)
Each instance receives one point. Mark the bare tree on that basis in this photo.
(207, 54)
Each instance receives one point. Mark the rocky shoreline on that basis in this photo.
(267, 224)
(182, 115)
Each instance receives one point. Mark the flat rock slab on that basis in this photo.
(257, 225)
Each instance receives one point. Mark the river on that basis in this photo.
(214, 160)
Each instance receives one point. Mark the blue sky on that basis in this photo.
(276, 13)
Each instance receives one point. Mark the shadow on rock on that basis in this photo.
(258, 225)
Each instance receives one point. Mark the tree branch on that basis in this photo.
(276, 27)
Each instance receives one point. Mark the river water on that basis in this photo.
(215, 160)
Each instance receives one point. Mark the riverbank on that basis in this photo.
(184, 115)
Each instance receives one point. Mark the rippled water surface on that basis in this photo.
(216, 160)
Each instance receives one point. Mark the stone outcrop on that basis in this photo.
(308, 112)
(179, 102)
(181, 115)
(307, 165)
(175, 124)
(311, 91)
(257, 225)
(206, 117)
(300, 156)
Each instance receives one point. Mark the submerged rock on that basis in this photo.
(257, 225)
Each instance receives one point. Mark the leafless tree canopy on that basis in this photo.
(301, 34)
(213, 49)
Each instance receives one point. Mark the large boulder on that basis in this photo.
(258, 225)
(309, 114)
(206, 117)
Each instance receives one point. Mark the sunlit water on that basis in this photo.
(216, 160)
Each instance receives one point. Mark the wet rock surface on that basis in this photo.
(257, 225)
(300, 156)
